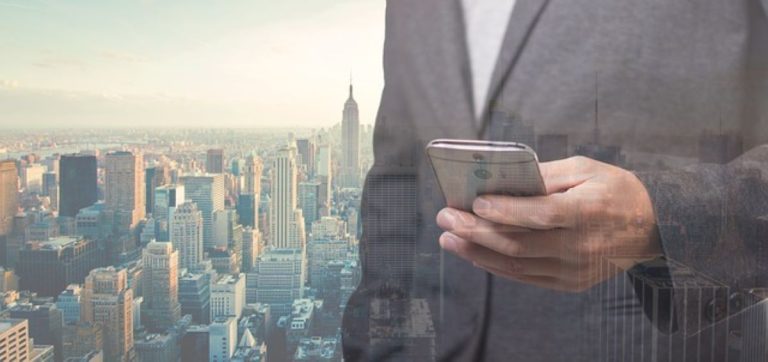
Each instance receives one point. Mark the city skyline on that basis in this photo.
(162, 244)
(150, 67)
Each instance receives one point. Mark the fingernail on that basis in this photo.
(481, 205)
(448, 241)
(446, 219)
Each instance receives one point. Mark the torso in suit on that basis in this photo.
(674, 90)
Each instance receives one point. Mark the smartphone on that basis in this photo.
(466, 169)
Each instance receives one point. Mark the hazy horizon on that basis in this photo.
(147, 64)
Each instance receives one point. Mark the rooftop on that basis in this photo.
(316, 348)
(59, 242)
(6, 324)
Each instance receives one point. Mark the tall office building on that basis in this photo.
(155, 177)
(51, 188)
(393, 233)
(222, 339)
(320, 252)
(228, 296)
(124, 185)
(278, 279)
(286, 221)
(309, 202)
(108, 300)
(306, 148)
(248, 210)
(14, 333)
(160, 275)
(166, 199)
(45, 324)
(195, 296)
(83, 340)
(69, 303)
(159, 347)
(207, 191)
(250, 192)
(47, 267)
(324, 175)
(32, 178)
(77, 183)
(214, 161)
(187, 234)
(8, 280)
(254, 167)
(252, 248)
(9, 185)
(350, 144)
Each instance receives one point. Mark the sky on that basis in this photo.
(191, 63)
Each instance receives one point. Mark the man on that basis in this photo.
(650, 244)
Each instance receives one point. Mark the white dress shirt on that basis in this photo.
(486, 23)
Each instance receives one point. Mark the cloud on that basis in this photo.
(59, 62)
(123, 56)
(9, 83)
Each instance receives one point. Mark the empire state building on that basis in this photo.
(350, 144)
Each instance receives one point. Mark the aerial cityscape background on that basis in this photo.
(183, 182)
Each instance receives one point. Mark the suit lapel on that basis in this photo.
(524, 18)
(442, 65)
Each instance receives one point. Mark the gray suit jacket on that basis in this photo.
(682, 88)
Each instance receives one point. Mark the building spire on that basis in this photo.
(350, 85)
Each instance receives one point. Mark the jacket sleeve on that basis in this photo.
(713, 225)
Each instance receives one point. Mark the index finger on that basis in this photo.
(534, 212)
(561, 175)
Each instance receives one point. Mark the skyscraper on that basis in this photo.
(161, 307)
(214, 161)
(395, 235)
(228, 296)
(69, 303)
(108, 300)
(8, 195)
(32, 178)
(222, 337)
(254, 168)
(77, 181)
(278, 279)
(306, 148)
(252, 248)
(286, 221)
(350, 144)
(247, 210)
(45, 323)
(309, 202)
(15, 333)
(51, 188)
(195, 296)
(124, 185)
(47, 267)
(186, 234)
(166, 199)
(248, 201)
(207, 191)
(154, 177)
(324, 175)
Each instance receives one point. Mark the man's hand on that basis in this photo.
(592, 210)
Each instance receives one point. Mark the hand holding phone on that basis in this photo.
(466, 169)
